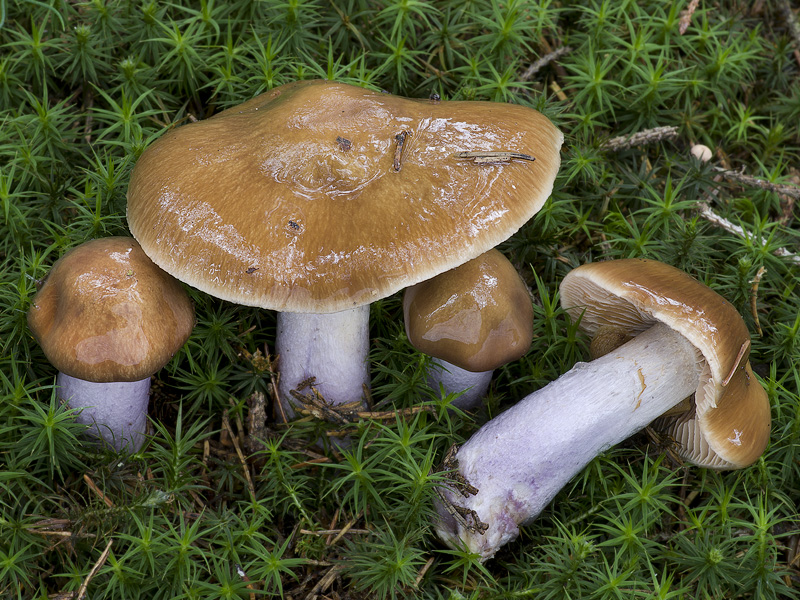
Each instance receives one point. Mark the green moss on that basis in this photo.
(85, 87)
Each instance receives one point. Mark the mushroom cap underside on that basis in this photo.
(731, 407)
(738, 427)
(319, 196)
(477, 316)
(106, 313)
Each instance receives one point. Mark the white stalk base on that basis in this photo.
(116, 411)
(519, 460)
(331, 348)
(455, 379)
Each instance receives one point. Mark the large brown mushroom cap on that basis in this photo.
(730, 424)
(106, 313)
(477, 316)
(293, 201)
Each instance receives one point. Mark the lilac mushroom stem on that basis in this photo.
(330, 348)
(473, 385)
(519, 460)
(117, 411)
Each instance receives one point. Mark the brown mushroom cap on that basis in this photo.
(477, 316)
(730, 424)
(106, 313)
(292, 201)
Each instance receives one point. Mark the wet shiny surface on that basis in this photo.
(732, 411)
(477, 316)
(740, 424)
(106, 313)
(634, 293)
(265, 205)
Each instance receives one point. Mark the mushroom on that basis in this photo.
(701, 152)
(108, 318)
(686, 339)
(471, 320)
(318, 198)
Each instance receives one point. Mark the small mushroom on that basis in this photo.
(317, 198)
(108, 318)
(686, 340)
(471, 320)
(701, 152)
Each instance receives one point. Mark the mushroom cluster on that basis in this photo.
(317, 198)
(686, 340)
(108, 318)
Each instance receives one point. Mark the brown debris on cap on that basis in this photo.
(106, 313)
(729, 427)
(477, 316)
(319, 196)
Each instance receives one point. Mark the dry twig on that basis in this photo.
(97, 490)
(325, 582)
(273, 380)
(686, 16)
(227, 424)
(754, 297)
(314, 404)
(640, 138)
(320, 532)
(348, 526)
(792, 23)
(422, 571)
(256, 420)
(100, 562)
(786, 190)
(715, 219)
(535, 67)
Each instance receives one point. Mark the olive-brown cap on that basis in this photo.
(477, 316)
(319, 196)
(729, 427)
(106, 313)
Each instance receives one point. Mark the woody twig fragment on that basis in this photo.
(640, 138)
(719, 221)
(313, 404)
(499, 156)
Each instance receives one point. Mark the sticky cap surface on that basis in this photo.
(319, 196)
(106, 313)
(731, 414)
(477, 316)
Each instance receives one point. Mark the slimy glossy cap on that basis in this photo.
(320, 197)
(477, 316)
(106, 313)
(729, 427)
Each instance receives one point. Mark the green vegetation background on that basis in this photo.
(86, 86)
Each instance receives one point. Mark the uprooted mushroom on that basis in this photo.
(317, 198)
(686, 339)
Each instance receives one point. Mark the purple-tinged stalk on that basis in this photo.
(513, 466)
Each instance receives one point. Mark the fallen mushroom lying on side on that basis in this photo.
(108, 318)
(470, 320)
(317, 198)
(687, 340)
